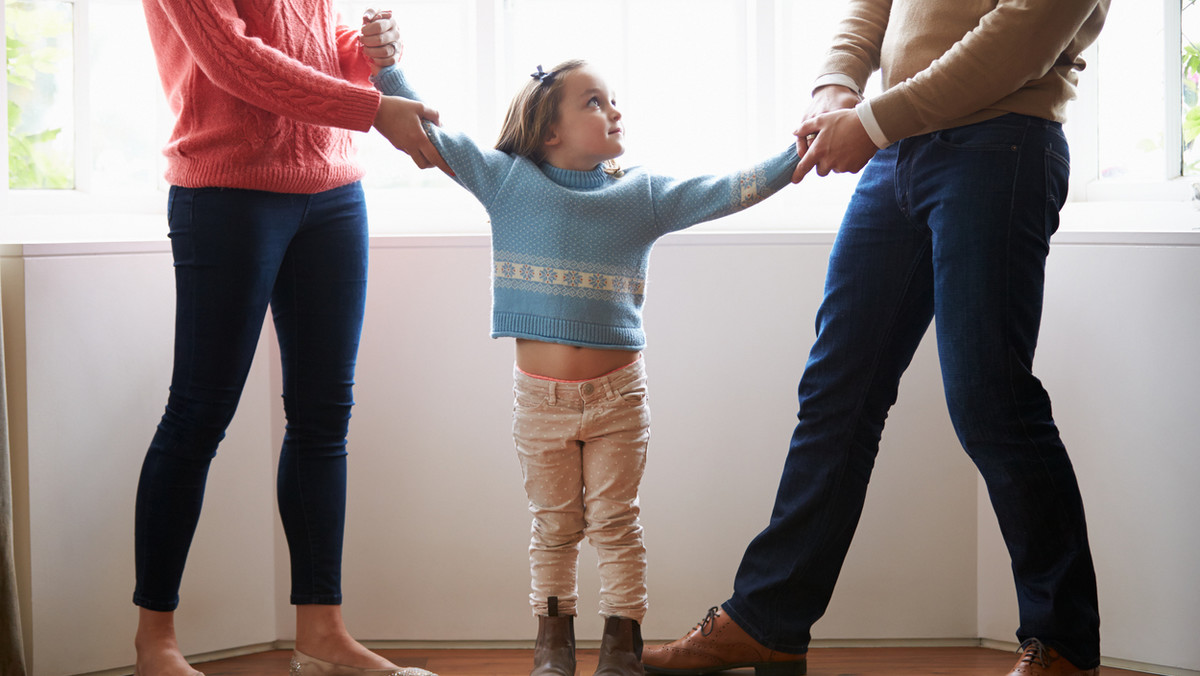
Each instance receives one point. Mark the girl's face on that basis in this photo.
(588, 131)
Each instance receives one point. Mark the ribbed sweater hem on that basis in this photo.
(285, 179)
(567, 332)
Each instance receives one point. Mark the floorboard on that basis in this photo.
(821, 662)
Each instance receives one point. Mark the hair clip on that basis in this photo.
(542, 76)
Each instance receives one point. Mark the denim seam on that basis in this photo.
(1013, 359)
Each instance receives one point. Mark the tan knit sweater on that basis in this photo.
(946, 63)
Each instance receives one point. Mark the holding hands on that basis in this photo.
(380, 39)
(399, 120)
(832, 138)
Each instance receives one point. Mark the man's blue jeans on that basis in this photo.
(236, 251)
(953, 225)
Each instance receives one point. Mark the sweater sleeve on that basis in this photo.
(682, 203)
(1017, 42)
(480, 170)
(354, 63)
(247, 68)
(857, 42)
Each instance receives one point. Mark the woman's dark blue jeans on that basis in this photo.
(953, 225)
(236, 253)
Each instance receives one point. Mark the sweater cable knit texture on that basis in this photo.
(265, 93)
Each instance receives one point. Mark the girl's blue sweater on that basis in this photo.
(571, 249)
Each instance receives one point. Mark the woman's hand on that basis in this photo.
(380, 39)
(401, 121)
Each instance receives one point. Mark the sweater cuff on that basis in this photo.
(391, 82)
(383, 73)
(363, 105)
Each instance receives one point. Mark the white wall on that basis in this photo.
(437, 525)
(98, 363)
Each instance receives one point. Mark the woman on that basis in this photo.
(265, 209)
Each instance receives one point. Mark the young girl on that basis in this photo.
(571, 238)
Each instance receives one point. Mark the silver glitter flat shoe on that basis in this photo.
(305, 665)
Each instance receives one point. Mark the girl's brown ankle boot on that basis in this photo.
(620, 648)
(554, 652)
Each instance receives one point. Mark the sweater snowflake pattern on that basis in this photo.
(571, 249)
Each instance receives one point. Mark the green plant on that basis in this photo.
(1191, 95)
(30, 54)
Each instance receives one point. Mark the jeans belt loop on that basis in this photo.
(552, 395)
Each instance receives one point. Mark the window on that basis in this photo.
(1129, 130)
(86, 115)
(1190, 85)
(705, 85)
(38, 49)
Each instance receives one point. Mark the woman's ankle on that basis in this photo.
(321, 633)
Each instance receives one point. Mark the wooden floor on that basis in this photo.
(821, 662)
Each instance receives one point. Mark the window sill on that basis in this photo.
(436, 214)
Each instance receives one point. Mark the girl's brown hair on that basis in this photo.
(533, 111)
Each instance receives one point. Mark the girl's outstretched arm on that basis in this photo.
(481, 170)
(401, 121)
(679, 203)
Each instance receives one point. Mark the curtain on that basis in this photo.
(12, 658)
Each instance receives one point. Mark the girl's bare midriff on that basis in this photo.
(568, 362)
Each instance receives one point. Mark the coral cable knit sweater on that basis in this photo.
(265, 93)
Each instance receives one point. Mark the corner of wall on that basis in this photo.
(12, 300)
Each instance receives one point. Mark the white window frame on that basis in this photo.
(111, 218)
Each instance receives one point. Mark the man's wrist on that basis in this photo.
(867, 117)
(839, 80)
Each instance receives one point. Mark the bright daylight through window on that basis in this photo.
(38, 43)
(723, 88)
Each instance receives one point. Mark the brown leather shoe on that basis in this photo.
(1037, 659)
(718, 644)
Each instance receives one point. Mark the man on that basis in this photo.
(951, 219)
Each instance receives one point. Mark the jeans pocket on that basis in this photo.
(528, 400)
(1003, 133)
(1058, 175)
(634, 393)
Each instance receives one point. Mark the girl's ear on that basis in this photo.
(552, 139)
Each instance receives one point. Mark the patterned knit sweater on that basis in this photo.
(262, 92)
(571, 249)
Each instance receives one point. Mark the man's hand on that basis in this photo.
(841, 144)
(824, 100)
(400, 122)
(380, 39)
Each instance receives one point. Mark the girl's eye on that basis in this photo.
(594, 101)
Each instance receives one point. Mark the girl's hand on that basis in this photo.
(380, 39)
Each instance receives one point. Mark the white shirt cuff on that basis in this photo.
(871, 125)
